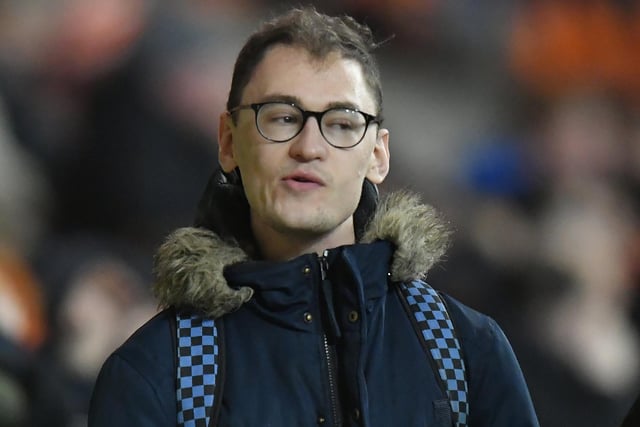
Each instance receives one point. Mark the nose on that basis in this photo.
(309, 144)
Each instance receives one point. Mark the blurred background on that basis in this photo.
(519, 120)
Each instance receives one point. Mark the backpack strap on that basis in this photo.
(197, 368)
(436, 332)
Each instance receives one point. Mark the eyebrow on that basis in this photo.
(297, 101)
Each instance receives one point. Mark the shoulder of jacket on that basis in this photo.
(151, 347)
(478, 332)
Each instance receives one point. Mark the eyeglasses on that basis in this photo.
(283, 121)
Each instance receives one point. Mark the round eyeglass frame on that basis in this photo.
(368, 119)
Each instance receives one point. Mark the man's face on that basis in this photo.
(304, 187)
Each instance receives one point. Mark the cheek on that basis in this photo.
(247, 157)
(246, 143)
(362, 171)
(354, 173)
(254, 168)
(362, 164)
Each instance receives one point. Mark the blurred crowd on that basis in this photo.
(519, 120)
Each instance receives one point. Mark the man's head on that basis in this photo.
(316, 33)
(304, 131)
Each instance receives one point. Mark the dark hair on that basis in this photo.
(320, 35)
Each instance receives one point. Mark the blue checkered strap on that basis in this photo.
(198, 354)
(436, 331)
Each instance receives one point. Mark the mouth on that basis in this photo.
(303, 178)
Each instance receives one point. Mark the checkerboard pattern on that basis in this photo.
(437, 330)
(197, 369)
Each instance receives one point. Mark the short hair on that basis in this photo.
(317, 33)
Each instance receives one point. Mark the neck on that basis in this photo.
(282, 245)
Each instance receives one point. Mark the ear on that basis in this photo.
(226, 157)
(379, 167)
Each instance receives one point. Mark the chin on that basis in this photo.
(307, 225)
(309, 228)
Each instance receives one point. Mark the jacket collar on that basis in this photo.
(189, 266)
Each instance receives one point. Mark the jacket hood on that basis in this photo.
(189, 265)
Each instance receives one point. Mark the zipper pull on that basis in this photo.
(324, 265)
(326, 294)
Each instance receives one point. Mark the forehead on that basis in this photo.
(291, 71)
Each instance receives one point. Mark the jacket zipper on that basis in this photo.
(330, 353)
(331, 367)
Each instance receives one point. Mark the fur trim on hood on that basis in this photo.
(189, 265)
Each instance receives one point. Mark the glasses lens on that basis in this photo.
(343, 127)
(279, 122)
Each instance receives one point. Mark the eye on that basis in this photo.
(279, 115)
(343, 125)
(284, 119)
(343, 120)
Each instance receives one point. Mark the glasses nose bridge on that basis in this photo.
(315, 114)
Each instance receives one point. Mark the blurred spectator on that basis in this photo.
(581, 332)
(98, 296)
(588, 236)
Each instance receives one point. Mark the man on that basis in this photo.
(300, 267)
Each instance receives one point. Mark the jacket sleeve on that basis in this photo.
(123, 396)
(498, 392)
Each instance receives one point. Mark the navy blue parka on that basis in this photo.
(276, 325)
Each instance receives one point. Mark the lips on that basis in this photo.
(303, 180)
